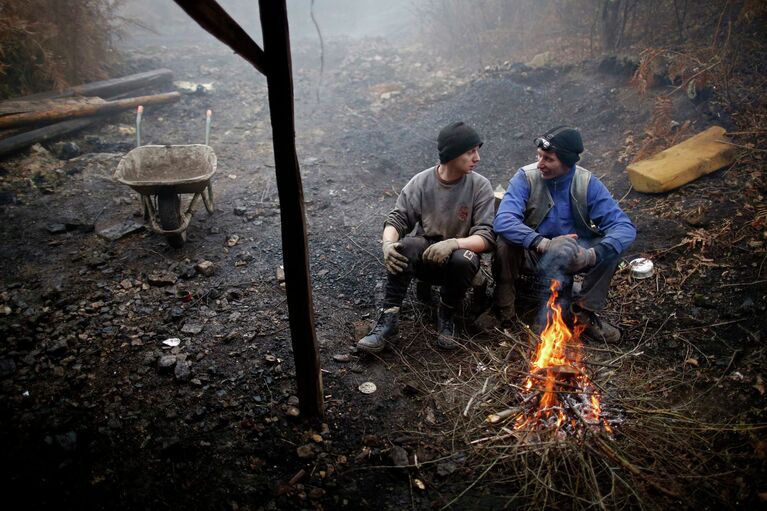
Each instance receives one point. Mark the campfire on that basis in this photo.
(559, 396)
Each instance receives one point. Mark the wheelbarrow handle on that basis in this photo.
(208, 115)
(139, 113)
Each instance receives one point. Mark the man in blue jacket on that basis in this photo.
(555, 210)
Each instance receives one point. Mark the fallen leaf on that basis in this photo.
(759, 385)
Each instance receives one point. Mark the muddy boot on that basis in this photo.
(446, 331)
(384, 329)
(596, 328)
(506, 316)
(487, 322)
(505, 298)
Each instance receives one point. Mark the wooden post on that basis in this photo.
(295, 253)
(274, 61)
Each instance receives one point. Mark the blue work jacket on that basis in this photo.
(618, 232)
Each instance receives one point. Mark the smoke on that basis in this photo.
(164, 22)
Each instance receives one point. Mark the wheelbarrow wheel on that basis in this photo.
(169, 209)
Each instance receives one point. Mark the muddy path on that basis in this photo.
(99, 413)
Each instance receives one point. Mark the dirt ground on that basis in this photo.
(99, 413)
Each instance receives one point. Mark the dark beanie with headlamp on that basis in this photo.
(567, 144)
(455, 139)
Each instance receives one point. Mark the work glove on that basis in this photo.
(584, 258)
(565, 245)
(394, 261)
(440, 251)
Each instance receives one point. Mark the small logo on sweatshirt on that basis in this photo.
(463, 212)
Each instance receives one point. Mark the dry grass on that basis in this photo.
(676, 443)
(661, 454)
(661, 132)
(48, 44)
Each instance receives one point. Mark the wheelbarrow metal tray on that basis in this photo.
(184, 168)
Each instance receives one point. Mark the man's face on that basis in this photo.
(468, 161)
(550, 165)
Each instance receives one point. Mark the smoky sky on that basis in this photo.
(393, 20)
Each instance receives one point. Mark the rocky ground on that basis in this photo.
(134, 375)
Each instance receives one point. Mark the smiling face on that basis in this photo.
(550, 165)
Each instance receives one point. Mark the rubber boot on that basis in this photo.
(596, 328)
(384, 329)
(446, 331)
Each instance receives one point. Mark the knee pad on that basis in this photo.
(465, 261)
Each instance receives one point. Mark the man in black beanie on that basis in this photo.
(441, 222)
(558, 218)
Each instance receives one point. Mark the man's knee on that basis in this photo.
(464, 264)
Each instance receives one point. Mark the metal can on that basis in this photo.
(641, 268)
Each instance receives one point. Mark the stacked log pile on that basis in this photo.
(50, 115)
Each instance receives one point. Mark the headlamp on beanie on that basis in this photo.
(455, 139)
(566, 142)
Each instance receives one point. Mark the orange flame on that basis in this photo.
(556, 363)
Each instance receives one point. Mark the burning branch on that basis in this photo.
(558, 393)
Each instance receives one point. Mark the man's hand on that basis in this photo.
(439, 252)
(565, 245)
(583, 259)
(394, 261)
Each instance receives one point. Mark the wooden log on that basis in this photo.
(274, 25)
(52, 132)
(84, 110)
(108, 88)
(17, 141)
(18, 106)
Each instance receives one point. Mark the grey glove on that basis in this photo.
(439, 252)
(565, 245)
(394, 261)
(584, 258)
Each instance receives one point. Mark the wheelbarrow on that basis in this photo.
(161, 173)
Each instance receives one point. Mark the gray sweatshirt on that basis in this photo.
(441, 210)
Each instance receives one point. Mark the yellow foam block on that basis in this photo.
(702, 154)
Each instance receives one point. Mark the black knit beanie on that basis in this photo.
(455, 139)
(567, 142)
